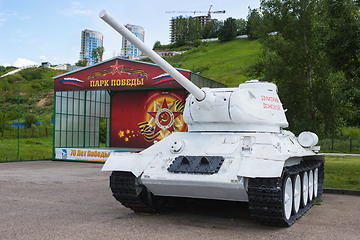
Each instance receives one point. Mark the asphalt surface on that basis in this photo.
(69, 200)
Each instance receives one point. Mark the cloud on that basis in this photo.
(22, 62)
(11, 15)
(3, 19)
(77, 9)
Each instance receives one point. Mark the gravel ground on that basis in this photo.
(70, 200)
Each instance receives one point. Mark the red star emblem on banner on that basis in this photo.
(116, 68)
(164, 117)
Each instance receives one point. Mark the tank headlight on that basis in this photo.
(308, 139)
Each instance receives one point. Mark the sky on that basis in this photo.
(35, 31)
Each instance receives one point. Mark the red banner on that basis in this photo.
(117, 74)
(138, 118)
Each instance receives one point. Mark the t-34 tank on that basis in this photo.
(235, 149)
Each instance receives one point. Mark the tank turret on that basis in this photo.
(235, 150)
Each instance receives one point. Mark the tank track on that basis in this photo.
(266, 195)
(131, 194)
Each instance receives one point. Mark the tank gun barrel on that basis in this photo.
(182, 80)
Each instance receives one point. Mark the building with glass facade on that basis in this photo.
(90, 40)
(115, 105)
(129, 51)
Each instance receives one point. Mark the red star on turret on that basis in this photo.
(116, 68)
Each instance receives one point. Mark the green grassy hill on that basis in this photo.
(224, 62)
(36, 92)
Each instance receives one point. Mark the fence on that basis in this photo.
(31, 144)
(340, 145)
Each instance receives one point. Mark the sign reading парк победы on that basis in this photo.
(117, 74)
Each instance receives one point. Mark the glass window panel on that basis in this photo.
(107, 111)
(93, 105)
(93, 93)
(75, 139)
(103, 96)
(92, 139)
(58, 94)
(102, 113)
(87, 141)
(92, 122)
(76, 106)
(70, 94)
(64, 105)
(63, 122)
(88, 95)
(57, 121)
(107, 97)
(70, 106)
(98, 95)
(69, 139)
(96, 138)
(87, 123)
(81, 139)
(81, 123)
(82, 95)
(97, 124)
(63, 139)
(57, 138)
(88, 106)
(98, 107)
(58, 104)
(82, 107)
(70, 122)
(76, 123)
(76, 94)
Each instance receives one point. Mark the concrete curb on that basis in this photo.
(342, 191)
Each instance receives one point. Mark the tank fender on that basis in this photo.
(261, 167)
(128, 162)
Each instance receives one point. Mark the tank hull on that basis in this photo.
(245, 155)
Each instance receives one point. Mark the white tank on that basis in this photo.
(235, 149)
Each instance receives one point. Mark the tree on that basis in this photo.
(292, 59)
(3, 121)
(341, 37)
(211, 29)
(255, 26)
(157, 45)
(81, 63)
(97, 54)
(194, 30)
(30, 121)
(241, 26)
(180, 28)
(228, 30)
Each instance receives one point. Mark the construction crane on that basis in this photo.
(209, 12)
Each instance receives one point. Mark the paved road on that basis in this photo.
(67, 200)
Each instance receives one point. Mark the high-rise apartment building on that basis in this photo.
(90, 40)
(129, 51)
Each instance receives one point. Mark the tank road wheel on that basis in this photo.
(311, 185)
(288, 194)
(297, 193)
(304, 189)
(316, 182)
(280, 201)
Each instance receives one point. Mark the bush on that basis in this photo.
(350, 132)
(30, 120)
